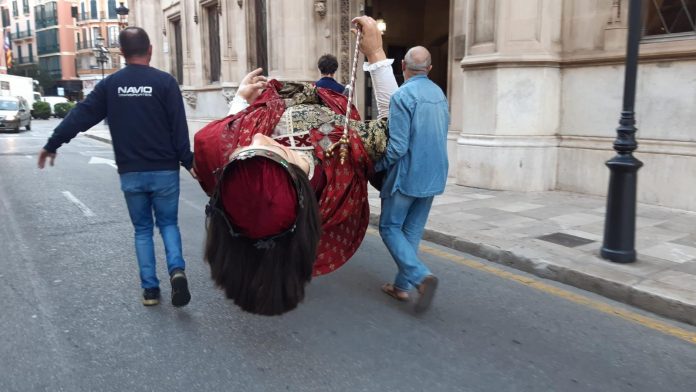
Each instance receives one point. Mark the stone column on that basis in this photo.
(511, 95)
(457, 47)
(301, 31)
(147, 14)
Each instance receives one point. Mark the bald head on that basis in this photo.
(418, 61)
(134, 42)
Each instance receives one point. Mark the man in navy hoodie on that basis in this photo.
(146, 117)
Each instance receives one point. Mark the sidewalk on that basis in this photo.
(557, 235)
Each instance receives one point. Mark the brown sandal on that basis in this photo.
(395, 293)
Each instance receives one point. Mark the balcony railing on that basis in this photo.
(23, 60)
(22, 34)
(55, 73)
(46, 22)
(83, 16)
(92, 45)
(46, 49)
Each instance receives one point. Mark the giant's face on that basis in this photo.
(260, 141)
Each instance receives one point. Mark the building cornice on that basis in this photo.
(646, 146)
(652, 51)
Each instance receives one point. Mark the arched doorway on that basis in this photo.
(410, 23)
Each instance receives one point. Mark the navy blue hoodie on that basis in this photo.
(146, 118)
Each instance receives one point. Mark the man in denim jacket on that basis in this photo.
(416, 170)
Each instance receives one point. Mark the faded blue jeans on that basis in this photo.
(146, 192)
(401, 225)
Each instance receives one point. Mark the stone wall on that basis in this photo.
(543, 86)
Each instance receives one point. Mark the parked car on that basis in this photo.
(53, 100)
(14, 113)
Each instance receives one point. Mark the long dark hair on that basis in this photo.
(266, 280)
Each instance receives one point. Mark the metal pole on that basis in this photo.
(620, 223)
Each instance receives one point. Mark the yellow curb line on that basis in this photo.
(558, 292)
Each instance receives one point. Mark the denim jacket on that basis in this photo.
(416, 157)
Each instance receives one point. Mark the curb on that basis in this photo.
(99, 138)
(628, 293)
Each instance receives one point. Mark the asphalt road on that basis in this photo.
(72, 319)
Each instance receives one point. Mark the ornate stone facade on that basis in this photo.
(298, 32)
(543, 82)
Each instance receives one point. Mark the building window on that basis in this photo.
(261, 18)
(28, 28)
(15, 11)
(5, 17)
(19, 54)
(112, 9)
(93, 9)
(113, 37)
(25, 6)
(52, 66)
(670, 17)
(47, 41)
(46, 15)
(214, 59)
(17, 29)
(31, 53)
(95, 34)
(83, 13)
(177, 65)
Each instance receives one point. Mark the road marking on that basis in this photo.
(85, 210)
(98, 160)
(29, 157)
(537, 284)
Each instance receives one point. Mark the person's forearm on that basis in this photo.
(377, 55)
(80, 119)
(384, 84)
(61, 135)
(183, 145)
(399, 134)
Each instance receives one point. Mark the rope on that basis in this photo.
(345, 139)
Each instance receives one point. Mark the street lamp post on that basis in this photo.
(101, 53)
(620, 223)
(122, 12)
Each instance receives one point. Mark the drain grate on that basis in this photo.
(567, 240)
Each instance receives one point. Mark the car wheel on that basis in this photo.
(29, 126)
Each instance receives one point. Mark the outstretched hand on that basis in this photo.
(44, 155)
(252, 85)
(371, 42)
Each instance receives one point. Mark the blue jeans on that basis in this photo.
(146, 192)
(401, 225)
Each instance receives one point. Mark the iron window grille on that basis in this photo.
(675, 17)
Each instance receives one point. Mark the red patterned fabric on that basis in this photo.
(343, 203)
(216, 141)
